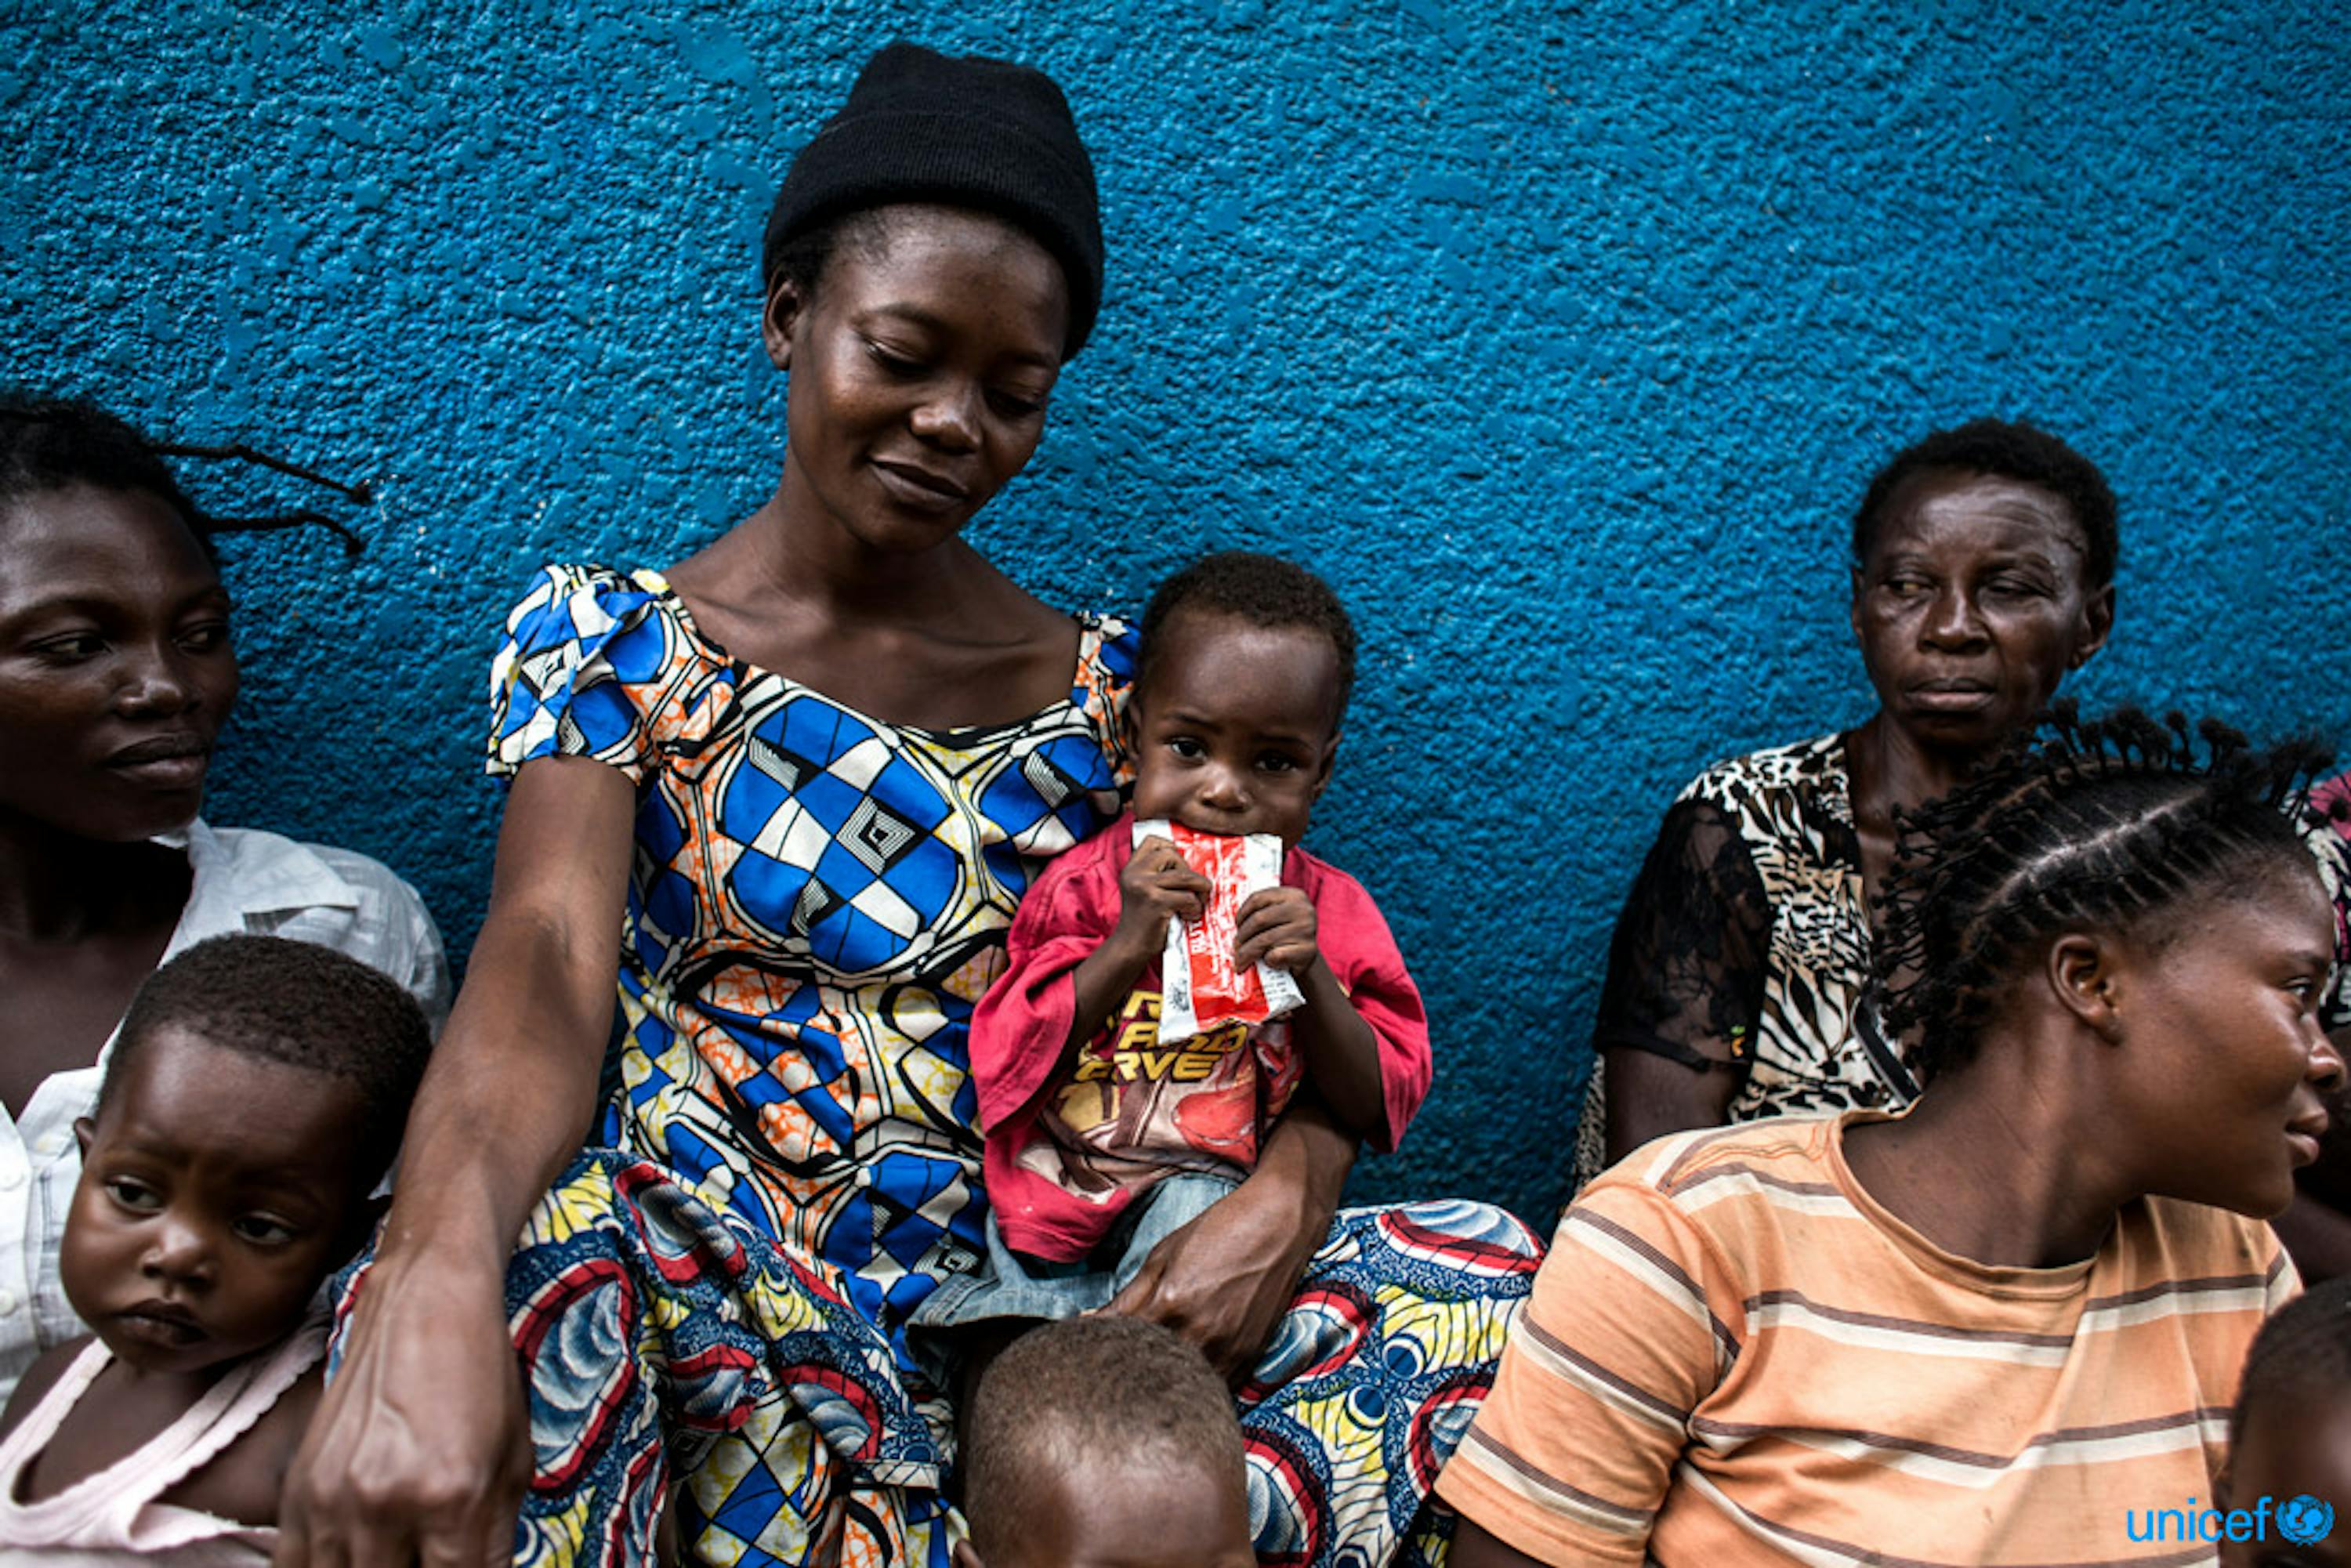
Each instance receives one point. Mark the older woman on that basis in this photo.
(116, 672)
(791, 791)
(1984, 562)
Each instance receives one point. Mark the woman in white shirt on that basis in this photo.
(116, 674)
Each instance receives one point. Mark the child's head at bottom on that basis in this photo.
(2290, 1440)
(254, 1097)
(1246, 666)
(1104, 1440)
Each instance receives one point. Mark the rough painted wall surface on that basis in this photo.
(1562, 337)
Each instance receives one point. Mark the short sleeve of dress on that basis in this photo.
(1686, 968)
(580, 670)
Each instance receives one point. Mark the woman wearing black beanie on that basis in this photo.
(791, 791)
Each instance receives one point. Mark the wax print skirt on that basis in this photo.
(672, 1351)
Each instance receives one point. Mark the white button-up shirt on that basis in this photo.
(244, 880)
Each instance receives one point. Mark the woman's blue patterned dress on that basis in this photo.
(818, 899)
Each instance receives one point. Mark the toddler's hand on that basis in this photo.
(1276, 927)
(1157, 887)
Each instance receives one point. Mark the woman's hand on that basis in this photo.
(1225, 1279)
(418, 1451)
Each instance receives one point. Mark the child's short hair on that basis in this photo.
(1088, 1388)
(1263, 589)
(297, 1004)
(2305, 1345)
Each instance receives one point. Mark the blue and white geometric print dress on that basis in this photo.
(818, 899)
(817, 902)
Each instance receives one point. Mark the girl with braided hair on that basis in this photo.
(1973, 1330)
(116, 672)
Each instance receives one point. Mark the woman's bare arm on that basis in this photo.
(419, 1450)
(1650, 1096)
(1685, 969)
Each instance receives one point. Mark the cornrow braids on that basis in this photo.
(49, 444)
(2304, 1346)
(2084, 823)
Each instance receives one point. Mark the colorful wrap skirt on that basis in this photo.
(672, 1351)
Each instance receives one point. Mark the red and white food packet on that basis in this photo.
(1199, 987)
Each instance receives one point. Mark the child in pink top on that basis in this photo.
(255, 1095)
(1099, 1140)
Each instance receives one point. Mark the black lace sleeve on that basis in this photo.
(1686, 967)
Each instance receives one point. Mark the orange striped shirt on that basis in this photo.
(1735, 1356)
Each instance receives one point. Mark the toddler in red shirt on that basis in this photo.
(1099, 1140)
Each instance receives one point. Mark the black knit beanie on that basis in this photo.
(920, 125)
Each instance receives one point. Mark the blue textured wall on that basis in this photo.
(1561, 336)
